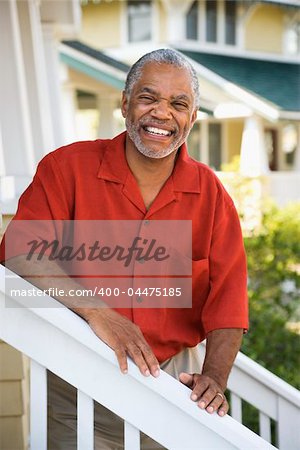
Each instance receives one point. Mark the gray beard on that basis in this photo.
(132, 131)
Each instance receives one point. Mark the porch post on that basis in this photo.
(15, 120)
(53, 70)
(254, 160)
(106, 107)
(69, 107)
(36, 77)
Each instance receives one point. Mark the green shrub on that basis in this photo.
(273, 254)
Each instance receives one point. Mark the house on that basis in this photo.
(247, 55)
(64, 67)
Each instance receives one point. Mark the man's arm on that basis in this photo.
(123, 336)
(208, 388)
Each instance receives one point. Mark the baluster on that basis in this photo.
(38, 406)
(131, 437)
(85, 422)
(288, 425)
(236, 407)
(264, 426)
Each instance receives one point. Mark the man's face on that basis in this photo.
(160, 110)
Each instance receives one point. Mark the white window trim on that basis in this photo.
(201, 21)
(290, 21)
(154, 25)
(221, 30)
(221, 22)
(230, 50)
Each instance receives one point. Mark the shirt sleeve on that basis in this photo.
(226, 305)
(40, 206)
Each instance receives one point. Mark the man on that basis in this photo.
(146, 174)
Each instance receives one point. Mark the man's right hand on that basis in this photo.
(125, 338)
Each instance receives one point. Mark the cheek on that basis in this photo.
(185, 124)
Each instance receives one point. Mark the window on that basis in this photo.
(271, 143)
(215, 145)
(192, 22)
(289, 143)
(211, 21)
(230, 20)
(139, 20)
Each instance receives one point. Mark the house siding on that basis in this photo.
(233, 141)
(101, 24)
(264, 29)
(162, 23)
(14, 395)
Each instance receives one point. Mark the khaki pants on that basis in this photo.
(108, 428)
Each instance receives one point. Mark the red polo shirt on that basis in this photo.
(92, 181)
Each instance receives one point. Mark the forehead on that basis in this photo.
(165, 79)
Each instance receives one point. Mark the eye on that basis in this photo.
(180, 105)
(146, 98)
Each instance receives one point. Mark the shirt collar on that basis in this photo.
(114, 166)
(186, 177)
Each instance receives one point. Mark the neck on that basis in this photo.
(148, 171)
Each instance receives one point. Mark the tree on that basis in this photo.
(273, 254)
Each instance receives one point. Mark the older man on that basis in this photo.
(146, 174)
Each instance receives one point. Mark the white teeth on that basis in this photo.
(158, 131)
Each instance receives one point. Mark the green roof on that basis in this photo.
(276, 82)
(97, 54)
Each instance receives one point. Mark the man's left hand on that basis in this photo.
(208, 388)
(206, 392)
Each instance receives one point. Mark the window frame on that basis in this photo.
(220, 26)
(125, 25)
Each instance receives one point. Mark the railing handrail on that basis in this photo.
(269, 379)
(63, 323)
(242, 362)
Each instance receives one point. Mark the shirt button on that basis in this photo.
(139, 299)
(146, 222)
(141, 260)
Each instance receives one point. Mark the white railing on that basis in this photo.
(56, 339)
(270, 395)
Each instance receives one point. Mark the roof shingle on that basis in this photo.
(277, 82)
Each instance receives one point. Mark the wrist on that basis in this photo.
(216, 376)
(89, 314)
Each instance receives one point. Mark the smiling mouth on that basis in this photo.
(157, 131)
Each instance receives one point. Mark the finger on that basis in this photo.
(200, 387)
(150, 359)
(122, 359)
(187, 379)
(223, 410)
(216, 403)
(136, 354)
(207, 397)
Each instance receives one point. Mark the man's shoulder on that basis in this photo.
(79, 150)
(210, 182)
(205, 172)
(81, 154)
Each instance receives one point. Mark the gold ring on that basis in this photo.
(219, 393)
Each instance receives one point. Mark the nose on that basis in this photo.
(161, 110)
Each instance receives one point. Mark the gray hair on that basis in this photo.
(163, 56)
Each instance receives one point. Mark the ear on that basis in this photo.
(124, 104)
(194, 117)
